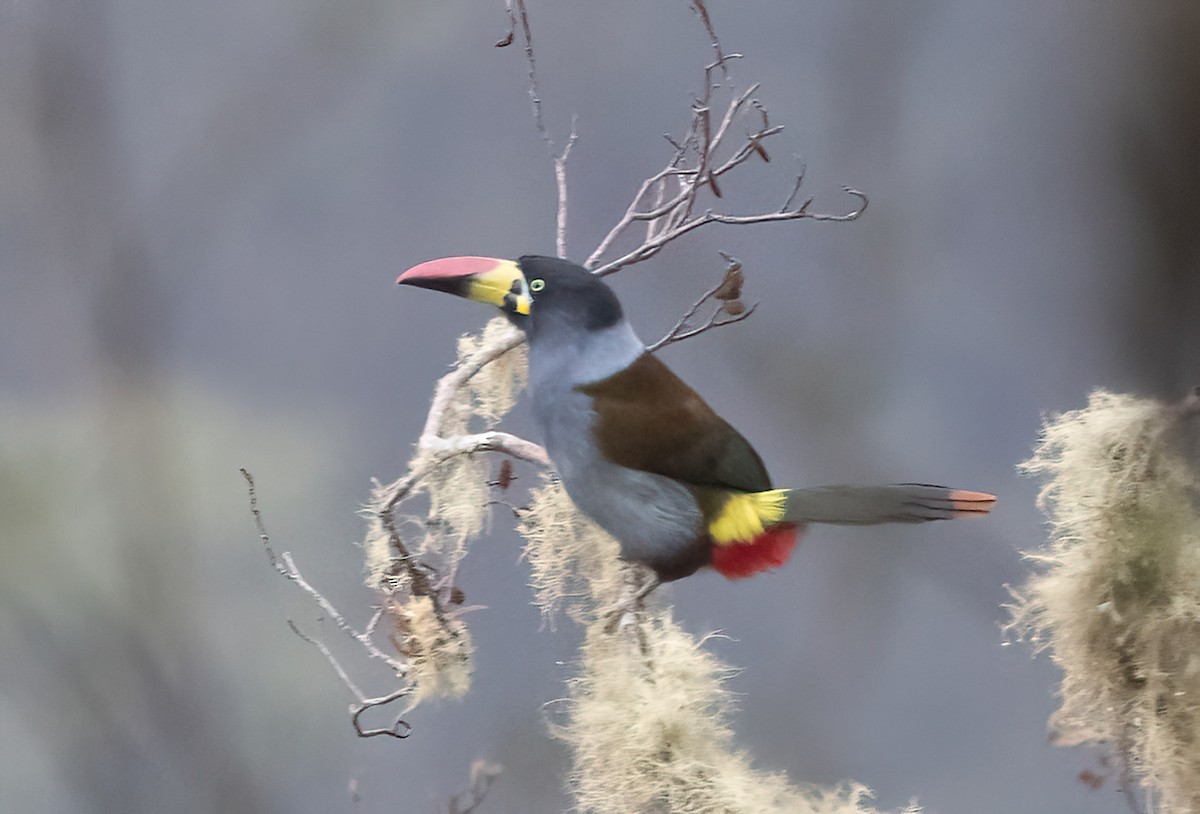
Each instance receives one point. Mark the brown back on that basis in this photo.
(648, 419)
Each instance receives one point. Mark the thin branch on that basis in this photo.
(258, 521)
(667, 200)
(449, 384)
(325, 651)
(632, 212)
(727, 292)
(399, 728)
(698, 5)
(295, 576)
(374, 621)
(753, 146)
(518, 16)
(652, 247)
(791, 198)
(659, 193)
(491, 441)
(685, 319)
(732, 111)
(560, 180)
(719, 319)
(286, 566)
(386, 497)
(802, 212)
(702, 175)
(443, 449)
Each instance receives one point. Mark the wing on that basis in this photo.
(648, 419)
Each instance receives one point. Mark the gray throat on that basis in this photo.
(559, 362)
(568, 356)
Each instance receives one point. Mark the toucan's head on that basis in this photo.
(535, 292)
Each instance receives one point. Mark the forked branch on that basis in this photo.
(729, 309)
(286, 567)
(668, 203)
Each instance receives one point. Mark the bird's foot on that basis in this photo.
(638, 586)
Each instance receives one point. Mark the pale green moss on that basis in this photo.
(437, 643)
(647, 716)
(439, 651)
(1116, 596)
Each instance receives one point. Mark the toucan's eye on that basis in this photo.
(537, 285)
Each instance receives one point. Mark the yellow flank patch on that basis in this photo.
(744, 516)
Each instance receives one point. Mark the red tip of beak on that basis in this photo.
(448, 267)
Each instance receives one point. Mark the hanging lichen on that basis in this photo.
(1116, 600)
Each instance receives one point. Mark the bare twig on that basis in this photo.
(652, 247)
(719, 319)
(400, 728)
(286, 566)
(519, 18)
(698, 6)
(328, 654)
(728, 311)
(291, 572)
(791, 198)
(560, 180)
(443, 449)
(258, 521)
(668, 200)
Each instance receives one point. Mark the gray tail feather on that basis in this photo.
(897, 503)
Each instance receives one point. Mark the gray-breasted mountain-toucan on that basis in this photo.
(641, 453)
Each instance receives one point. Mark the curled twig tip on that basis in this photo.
(400, 728)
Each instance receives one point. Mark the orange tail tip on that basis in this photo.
(967, 504)
(768, 550)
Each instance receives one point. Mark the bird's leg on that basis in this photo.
(639, 583)
(649, 583)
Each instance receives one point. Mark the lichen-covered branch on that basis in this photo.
(286, 566)
(502, 340)
(412, 559)
(1116, 596)
(647, 716)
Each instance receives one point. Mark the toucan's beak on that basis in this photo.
(483, 279)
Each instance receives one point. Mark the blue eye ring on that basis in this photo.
(537, 285)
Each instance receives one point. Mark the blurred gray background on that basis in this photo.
(203, 207)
